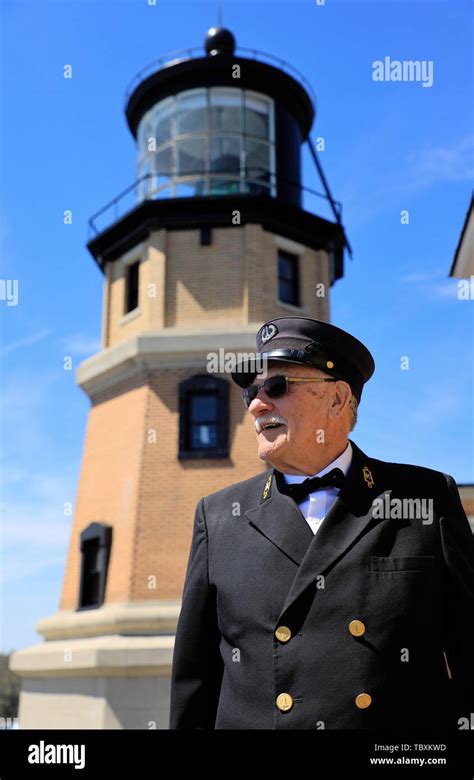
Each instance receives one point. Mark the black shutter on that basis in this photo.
(96, 541)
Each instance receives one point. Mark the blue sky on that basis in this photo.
(65, 145)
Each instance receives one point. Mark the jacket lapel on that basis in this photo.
(278, 518)
(348, 518)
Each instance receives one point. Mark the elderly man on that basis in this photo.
(333, 590)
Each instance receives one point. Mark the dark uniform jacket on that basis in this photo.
(367, 624)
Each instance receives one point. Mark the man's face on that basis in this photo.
(304, 411)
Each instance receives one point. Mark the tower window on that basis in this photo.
(204, 416)
(206, 235)
(288, 278)
(203, 421)
(131, 286)
(95, 552)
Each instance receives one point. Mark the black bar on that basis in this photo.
(316, 754)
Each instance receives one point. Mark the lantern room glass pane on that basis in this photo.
(257, 162)
(143, 137)
(162, 121)
(144, 176)
(164, 162)
(256, 188)
(224, 186)
(163, 193)
(257, 117)
(225, 110)
(190, 189)
(225, 155)
(191, 112)
(190, 156)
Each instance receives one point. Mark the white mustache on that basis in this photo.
(265, 419)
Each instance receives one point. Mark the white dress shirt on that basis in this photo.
(316, 506)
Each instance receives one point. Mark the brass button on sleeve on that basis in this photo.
(283, 634)
(363, 700)
(356, 628)
(284, 702)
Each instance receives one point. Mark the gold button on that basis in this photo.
(356, 628)
(284, 702)
(283, 634)
(329, 364)
(363, 700)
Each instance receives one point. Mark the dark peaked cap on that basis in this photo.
(311, 343)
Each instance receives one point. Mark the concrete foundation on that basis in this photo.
(106, 681)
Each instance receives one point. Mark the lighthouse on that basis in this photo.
(213, 238)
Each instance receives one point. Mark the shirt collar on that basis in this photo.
(343, 462)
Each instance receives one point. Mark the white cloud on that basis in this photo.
(23, 396)
(26, 341)
(433, 285)
(422, 277)
(379, 184)
(436, 406)
(34, 530)
(453, 162)
(80, 344)
(36, 483)
(448, 290)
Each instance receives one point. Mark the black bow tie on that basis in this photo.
(298, 491)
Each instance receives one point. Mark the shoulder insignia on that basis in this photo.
(267, 488)
(368, 477)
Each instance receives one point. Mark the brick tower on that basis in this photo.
(216, 242)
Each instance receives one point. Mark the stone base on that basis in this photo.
(95, 703)
(99, 682)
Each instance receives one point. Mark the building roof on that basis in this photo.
(463, 262)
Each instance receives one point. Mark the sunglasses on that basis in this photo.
(276, 386)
